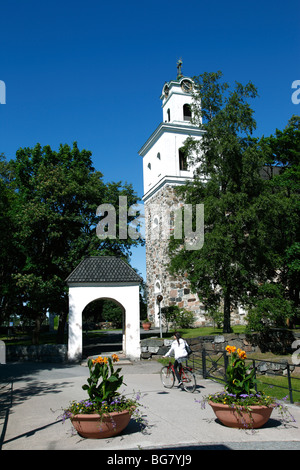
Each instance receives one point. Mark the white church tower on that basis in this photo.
(165, 166)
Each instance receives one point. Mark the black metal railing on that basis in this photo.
(213, 364)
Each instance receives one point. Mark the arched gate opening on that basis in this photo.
(103, 328)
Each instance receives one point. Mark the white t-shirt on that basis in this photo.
(178, 349)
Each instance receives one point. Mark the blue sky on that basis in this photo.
(92, 71)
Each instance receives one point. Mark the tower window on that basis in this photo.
(149, 166)
(169, 115)
(187, 112)
(183, 160)
(158, 155)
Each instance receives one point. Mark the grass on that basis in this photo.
(271, 385)
(24, 339)
(275, 386)
(206, 331)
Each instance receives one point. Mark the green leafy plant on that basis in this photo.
(102, 389)
(217, 316)
(240, 379)
(240, 393)
(104, 381)
(178, 317)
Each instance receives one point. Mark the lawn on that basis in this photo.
(205, 331)
(271, 385)
(275, 386)
(24, 339)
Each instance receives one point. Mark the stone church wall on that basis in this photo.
(176, 290)
(160, 222)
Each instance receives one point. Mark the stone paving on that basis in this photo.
(32, 396)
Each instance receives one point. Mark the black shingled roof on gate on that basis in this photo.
(103, 269)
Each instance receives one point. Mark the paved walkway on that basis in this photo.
(32, 395)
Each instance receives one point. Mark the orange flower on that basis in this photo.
(230, 349)
(242, 354)
(115, 358)
(99, 360)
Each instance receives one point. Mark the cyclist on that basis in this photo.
(180, 353)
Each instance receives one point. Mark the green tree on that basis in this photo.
(226, 182)
(282, 188)
(9, 260)
(242, 246)
(104, 310)
(270, 308)
(57, 195)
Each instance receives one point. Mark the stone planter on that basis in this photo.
(234, 418)
(146, 325)
(92, 426)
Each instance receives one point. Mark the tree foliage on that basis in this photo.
(250, 222)
(55, 195)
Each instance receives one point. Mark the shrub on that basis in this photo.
(178, 317)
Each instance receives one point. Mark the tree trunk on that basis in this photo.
(36, 331)
(61, 328)
(63, 315)
(226, 326)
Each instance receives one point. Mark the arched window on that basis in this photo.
(155, 228)
(155, 222)
(183, 159)
(158, 155)
(187, 112)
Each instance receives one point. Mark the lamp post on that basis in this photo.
(159, 299)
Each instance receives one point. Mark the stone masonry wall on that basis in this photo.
(157, 347)
(176, 290)
(160, 220)
(52, 353)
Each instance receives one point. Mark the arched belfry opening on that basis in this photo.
(107, 278)
(187, 112)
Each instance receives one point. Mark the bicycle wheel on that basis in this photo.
(188, 380)
(167, 377)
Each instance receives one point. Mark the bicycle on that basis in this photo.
(167, 375)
